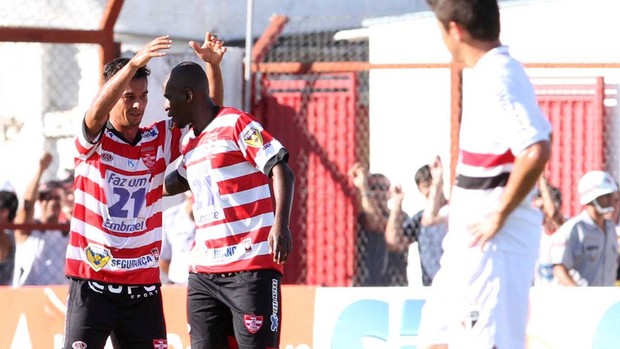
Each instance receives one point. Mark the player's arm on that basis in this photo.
(25, 214)
(113, 89)
(528, 166)
(436, 198)
(175, 184)
(212, 52)
(280, 239)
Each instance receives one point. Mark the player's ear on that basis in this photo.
(189, 95)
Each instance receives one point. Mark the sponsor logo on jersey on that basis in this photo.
(160, 344)
(150, 133)
(247, 245)
(122, 227)
(97, 256)
(79, 345)
(224, 252)
(149, 156)
(132, 163)
(132, 263)
(107, 157)
(253, 138)
(274, 306)
(253, 323)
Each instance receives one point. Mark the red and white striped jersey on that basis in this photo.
(501, 118)
(227, 166)
(116, 227)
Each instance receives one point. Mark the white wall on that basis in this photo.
(410, 109)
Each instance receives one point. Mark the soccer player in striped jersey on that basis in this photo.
(242, 238)
(479, 297)
(116, 229)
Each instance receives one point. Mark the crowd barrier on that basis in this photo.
(337, 317)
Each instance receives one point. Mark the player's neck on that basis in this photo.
(202, 122)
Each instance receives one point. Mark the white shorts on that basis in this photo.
(478, 300)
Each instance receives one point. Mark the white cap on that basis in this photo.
(6, 186)
(594, 184)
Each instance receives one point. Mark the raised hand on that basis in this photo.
(45, 161)
(212, 50)
(358, 175)
(155, 48)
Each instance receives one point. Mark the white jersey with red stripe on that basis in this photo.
(227, 166)
(501, 118)
(116, 227)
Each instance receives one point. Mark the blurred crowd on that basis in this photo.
(397, 249)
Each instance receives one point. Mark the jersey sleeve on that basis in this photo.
(521, 122)
(85, 147)
(257, 145)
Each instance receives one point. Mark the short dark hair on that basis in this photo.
(479, 17)
(117, 64)
(8, 200)
(423, 174)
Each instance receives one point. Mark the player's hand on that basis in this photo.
(155, 48)
(280, 243)
(212, 50)
(485, 230)
(45, 161)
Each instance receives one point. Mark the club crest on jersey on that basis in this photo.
(160, 344)
(247, 245)
(97, 256)
(155, 253)
(253, 323)
(148, 155)
(107, 157)
(253, 138)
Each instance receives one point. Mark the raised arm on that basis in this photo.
(373, 218)
(25, 214)
(394, 231)
(112, 90)
(212, 52)
(436, 199)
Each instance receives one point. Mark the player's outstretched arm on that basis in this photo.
(112, 90)
(212, 52)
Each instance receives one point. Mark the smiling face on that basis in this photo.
(129, 109)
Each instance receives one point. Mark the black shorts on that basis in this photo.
(248, 302)
(132, 315)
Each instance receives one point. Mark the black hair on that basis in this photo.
(8, 200)
(423, 174)
(479, 17)
(117, 64)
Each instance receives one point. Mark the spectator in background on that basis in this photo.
(39, 255)
(428, 227)
(549, 201)
(8, 210)
(586, 250)
(179, 231)
(377, 265)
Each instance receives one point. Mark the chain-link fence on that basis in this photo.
(333, 111)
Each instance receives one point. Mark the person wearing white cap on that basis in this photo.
(586, 252)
